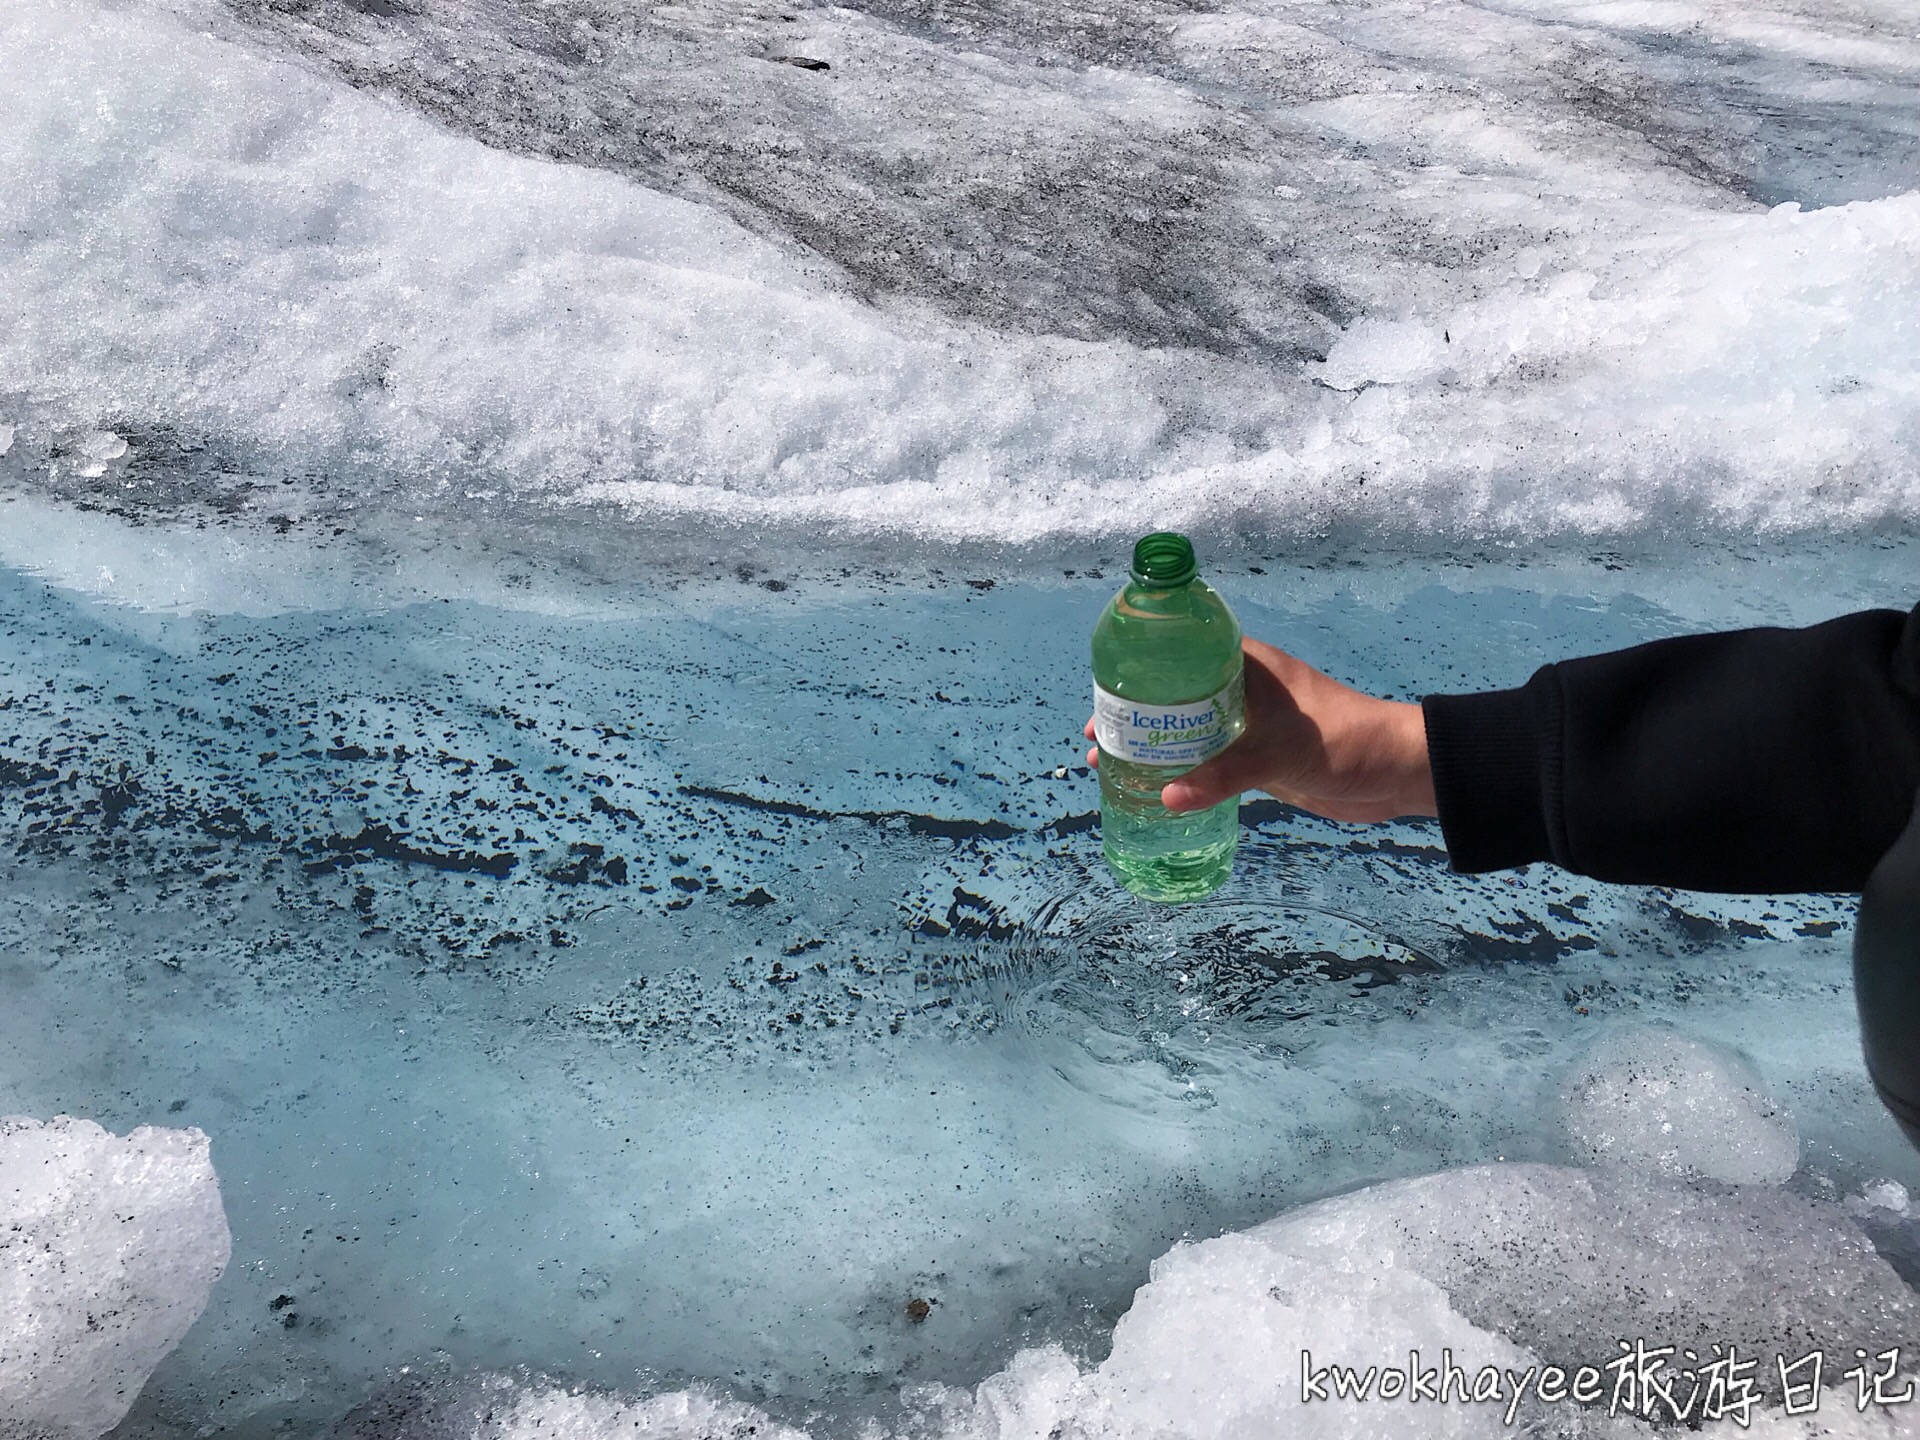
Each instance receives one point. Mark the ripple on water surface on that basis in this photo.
(671, 997)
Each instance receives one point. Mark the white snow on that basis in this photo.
(109, 1247)
(205, 246)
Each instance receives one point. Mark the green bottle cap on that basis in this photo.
(1164, 560)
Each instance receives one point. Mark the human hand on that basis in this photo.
(1316, 744)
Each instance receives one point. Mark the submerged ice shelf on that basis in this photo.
(668, 995)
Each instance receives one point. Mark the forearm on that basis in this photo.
(1398, 746)
(1762, 760)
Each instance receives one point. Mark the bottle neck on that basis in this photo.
(1150, 599)
(1163, 560)
(1137, 581)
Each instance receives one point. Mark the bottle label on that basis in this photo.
(1166, 734)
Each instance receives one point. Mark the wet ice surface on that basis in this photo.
(672, 988)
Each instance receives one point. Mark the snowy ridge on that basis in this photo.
(1443, 297)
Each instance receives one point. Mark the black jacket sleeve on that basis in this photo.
(1759, 760)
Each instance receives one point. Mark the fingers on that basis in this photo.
(1237, 768)
(1261, 758)
(1315, 743)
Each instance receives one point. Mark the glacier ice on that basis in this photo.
(1666, 1103)
(1483, 275)
(518, 715)
(1504, 1275)
(109, 1246)
(545, 1014)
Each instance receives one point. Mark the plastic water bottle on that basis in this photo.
(1168, 693)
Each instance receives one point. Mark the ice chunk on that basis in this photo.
(1889, 1195)
(1384, 352)
(1495, 1275)
(102, 445)
(488, 1406)
(109, 1247)
(1656, 1101)
(1229, 1335)
(1570, 1262)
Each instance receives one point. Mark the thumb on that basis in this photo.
(1234, 770)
